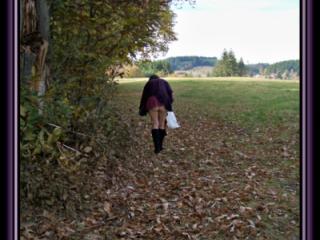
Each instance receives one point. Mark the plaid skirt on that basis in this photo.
(152, 102)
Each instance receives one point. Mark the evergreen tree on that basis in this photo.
(232, 65)
(242, 68)
(227, 66)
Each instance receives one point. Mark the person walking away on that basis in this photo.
(156, 100)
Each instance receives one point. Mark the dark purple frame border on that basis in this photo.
(308, 114)
(307, 94)
(11, 92)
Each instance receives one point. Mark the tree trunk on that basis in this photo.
(35, 35)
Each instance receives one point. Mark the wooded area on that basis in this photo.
(70, 53)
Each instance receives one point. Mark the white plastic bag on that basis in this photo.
(172, 121)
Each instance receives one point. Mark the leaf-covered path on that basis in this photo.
(214, 180)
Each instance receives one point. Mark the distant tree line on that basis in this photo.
(160, 67)
(148, 68)
(228, 66)
(256, 69)
(283, 70)
(168, 66)
(289, 69)
(189, 62)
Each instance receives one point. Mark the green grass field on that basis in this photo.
(248, 102)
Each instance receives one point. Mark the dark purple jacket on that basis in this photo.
(159, 88)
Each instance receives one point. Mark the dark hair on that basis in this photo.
(153, 77)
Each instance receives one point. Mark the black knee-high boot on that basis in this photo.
(163, 133)
(156, 136)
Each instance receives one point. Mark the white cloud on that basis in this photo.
(258, 31)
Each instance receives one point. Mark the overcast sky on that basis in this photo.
(256, 30)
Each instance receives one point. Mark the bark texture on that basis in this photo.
(35, 35)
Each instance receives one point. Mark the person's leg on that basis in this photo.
(162, 114)
(162, 124)
(156, 136)
(154, 115)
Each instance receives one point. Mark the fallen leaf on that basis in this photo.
(107, 208)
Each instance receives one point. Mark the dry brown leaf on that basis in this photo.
(107, 208)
